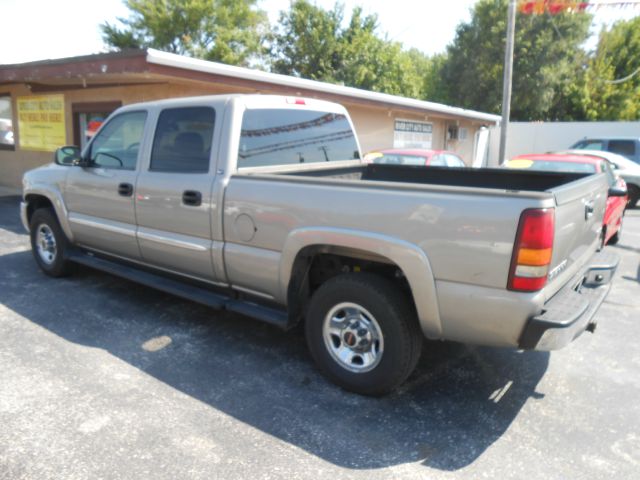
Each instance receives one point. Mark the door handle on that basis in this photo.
(192, 198)
(125, 189)
(588, 210)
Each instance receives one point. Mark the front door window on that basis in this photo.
(117, 144)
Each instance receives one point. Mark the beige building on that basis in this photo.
(54, 102)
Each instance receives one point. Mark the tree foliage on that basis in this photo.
(612, 80)
(547, 54)
(314, 43)
(228, 31)
(553, 77)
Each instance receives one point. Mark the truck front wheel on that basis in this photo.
(363, 333)
(48, 243)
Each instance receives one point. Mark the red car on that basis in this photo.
(415, 156)
(555, 162)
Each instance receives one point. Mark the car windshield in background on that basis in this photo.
(551, 166)
(589, 145)
(395, 159)
(285, 136)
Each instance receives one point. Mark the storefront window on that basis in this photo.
(6, 124)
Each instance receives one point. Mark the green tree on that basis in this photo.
(311, 42)
(547, 56)
(612, 80)
(228, 31)
(306, 43)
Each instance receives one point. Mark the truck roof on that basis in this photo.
(249, 100)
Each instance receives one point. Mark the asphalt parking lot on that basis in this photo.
(103, 378)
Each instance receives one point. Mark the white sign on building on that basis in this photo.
(412, 134)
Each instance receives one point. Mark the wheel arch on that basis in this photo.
(36, 198)
(303, 245)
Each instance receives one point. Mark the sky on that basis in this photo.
(41, 29)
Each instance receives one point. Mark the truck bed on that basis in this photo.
(496, 178)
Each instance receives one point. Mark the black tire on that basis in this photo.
(396, 318)
(634, 196)
(57, 264)
(616, 237)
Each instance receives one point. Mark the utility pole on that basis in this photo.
(506, 81)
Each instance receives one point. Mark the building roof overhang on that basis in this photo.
(149, 66)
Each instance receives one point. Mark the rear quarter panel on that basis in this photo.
(468, 234)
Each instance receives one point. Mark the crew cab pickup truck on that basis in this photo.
(260, 205)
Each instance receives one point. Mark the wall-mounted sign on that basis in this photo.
(412, 134)
(41, 124)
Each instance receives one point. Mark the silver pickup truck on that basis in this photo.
(260, 205)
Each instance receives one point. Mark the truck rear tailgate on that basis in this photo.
(579, 214)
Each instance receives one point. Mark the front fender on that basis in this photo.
(55, 197)
(413, 262)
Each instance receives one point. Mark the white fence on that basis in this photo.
(541, 137)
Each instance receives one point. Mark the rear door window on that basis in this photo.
(183, 138)
(286, 136)
(623, 147)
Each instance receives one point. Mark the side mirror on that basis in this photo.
(67, 156)
(617, 191)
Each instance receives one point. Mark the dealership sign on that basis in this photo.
(412, 134)
(41, 122)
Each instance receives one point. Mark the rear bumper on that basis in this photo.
(571, 311)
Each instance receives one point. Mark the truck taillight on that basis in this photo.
(532, 250)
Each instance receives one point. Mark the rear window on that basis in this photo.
(394, 159)
(286, 136)
(551, 166)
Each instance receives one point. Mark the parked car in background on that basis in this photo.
(626, 146)
(415, 156)
(556, 162)
(625, 168)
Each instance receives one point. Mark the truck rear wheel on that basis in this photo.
(48, 243)
(363, 333)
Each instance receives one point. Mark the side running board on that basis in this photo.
(194, 293)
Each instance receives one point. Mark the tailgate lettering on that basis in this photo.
(557, 271)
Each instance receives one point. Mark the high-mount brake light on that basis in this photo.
(532, 250)
(296, 101)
